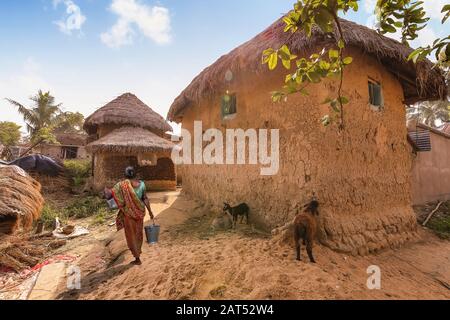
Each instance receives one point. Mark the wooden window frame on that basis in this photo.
(372, 82)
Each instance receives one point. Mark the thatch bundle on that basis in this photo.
(127, 110)
(130, 140)
(420, 82)
(19, 253)
(21, 201)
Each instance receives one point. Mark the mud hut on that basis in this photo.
(361, 175)
(126, 132)
(21, 201)
(71, 145)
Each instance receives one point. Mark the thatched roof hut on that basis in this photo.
(127, 109)
(126, 132)
(419, 82)
(360, 172)
(71, 139)
(21, 201)
(130, 140)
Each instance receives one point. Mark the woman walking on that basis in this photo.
(131, 198)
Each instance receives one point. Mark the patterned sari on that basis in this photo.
(131, 214)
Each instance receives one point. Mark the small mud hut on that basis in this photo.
(361, 174)
(126, 132)
(70, 146)
(21, 201)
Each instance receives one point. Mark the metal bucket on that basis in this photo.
(152, 233)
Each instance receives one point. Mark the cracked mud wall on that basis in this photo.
(361, 176)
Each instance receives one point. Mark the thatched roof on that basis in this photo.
(420, 82)
(127, 110)
(71, 139)
(21, 201)
(130, 140)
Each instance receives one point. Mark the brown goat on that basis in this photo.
(305, 227)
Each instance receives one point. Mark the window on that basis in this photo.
(228, 105)
(69, 152)
(375, 94)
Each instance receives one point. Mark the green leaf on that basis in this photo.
(273, 61)
(333, 54)
(347, 60)
(286, 63)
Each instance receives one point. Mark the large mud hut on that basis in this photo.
(126, 132)
(361, 175)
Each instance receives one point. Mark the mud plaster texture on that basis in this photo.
(361, 175)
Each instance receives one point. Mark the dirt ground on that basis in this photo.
(193, 262)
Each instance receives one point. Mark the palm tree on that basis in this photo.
(430, 112)
(40, 116)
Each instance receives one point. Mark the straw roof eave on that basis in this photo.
(130, 140)
(420, 82)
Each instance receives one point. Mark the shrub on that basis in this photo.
(441, 226)
(78, 170)
(86, 207)
(49, 214)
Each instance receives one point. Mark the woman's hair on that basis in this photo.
(130, 173)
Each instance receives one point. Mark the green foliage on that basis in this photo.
(9, 133)
(69, 122)
(329, 63)
(102, 216)
(441, 226)
(405, 15)
(45, 117)
(87, 207)
(44, 135)
(408, 16)
(49, 214)
(78, 170)
(41, 116)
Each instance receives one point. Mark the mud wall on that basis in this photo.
(431, 172)
(109, 169)
(360, 175)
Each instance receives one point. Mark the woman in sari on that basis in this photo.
(131, 198)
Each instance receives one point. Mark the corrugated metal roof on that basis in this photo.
(421, 139)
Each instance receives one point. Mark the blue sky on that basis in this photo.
(86, 52)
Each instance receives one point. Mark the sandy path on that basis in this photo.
(191, 262)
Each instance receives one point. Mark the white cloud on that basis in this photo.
(20, 85)
(152, 21)
(121, 34)
(73, 20)
(369, 5)
(433, 8)
(426, 36)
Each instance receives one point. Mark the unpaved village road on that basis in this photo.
(192, 262)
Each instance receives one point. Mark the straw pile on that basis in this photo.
(21, 201)
(18, 253)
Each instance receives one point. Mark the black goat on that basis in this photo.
(241, 210)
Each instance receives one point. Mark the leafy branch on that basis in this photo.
(329, 63)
